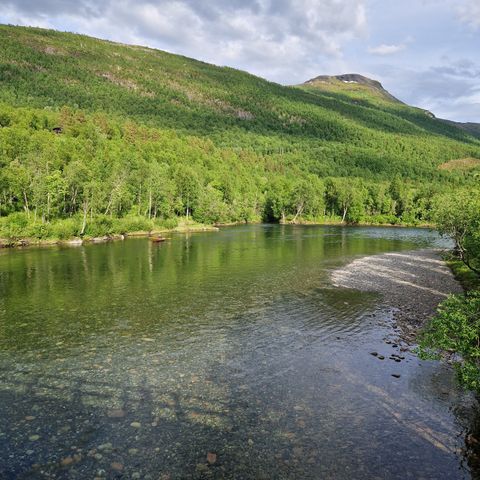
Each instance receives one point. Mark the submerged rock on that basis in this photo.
(116, 413)
(117, 466)
(67, 461)
(211, 458)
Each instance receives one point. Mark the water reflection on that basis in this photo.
(215, 356)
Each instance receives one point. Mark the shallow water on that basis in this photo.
(217, 355)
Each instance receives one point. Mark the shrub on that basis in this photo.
(458, 216)
(455, 332)
(134, 223)
(66, 228)
(101, 225)
(14, 226)
(39, 230)
(167, 223)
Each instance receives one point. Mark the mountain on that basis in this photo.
(92, 129)
(356, 85)
(352, 83)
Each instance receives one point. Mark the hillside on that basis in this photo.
(353, 84)
(469, 127)
(97, 130)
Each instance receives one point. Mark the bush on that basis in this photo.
(101, 225)
(455, 332)
(458, 216)
(39, 230)
(15, 226)
(66, 228)
(134, 223)
(168, 223)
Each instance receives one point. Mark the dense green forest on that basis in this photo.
(99, 138)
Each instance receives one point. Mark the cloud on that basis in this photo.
(283, 40)
(450, 89)
(469, 13)
(386, 49)
(289, 41)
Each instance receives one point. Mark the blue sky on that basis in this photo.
(425, 52)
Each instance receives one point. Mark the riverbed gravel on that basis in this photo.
(412, 283)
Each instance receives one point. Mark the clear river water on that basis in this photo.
(217, 355)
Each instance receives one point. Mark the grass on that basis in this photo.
(468, 279)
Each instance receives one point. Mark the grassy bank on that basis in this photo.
(468, 279)
(20, 230)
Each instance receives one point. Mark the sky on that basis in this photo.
(425, 52)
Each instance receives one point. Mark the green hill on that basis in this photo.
(352, 84)
(98, 137)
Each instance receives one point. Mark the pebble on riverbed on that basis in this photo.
(117, 466)
(211, 458)
(116, 413)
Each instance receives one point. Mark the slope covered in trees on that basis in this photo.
(98, 137)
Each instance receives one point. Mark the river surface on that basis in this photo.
(217, 355)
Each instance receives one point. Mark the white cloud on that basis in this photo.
(469, 12)
(289, 41)
(449, 89)
(283, 40)
(386, 49)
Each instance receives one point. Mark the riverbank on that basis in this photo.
(34, 242)
(412, 283)
(117, 229)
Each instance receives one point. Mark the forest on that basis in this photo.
(98, 138)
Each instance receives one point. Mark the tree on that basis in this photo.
(455, 331)
(160, 191)
(398, 194)
(347, 196)
(279, 199)
(458, 216)
(188, 187)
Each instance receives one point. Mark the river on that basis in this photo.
(217, 355)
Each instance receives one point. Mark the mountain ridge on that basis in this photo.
(326, 82)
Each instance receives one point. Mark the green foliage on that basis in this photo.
(97, 137)
(102, 225)
(469, 280)
(66, 228)
(14, 226)
(134, 223)
(455, 331)
(458, 216)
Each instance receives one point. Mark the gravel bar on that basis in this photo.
(413, 283)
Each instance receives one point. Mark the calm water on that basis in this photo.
(137, 360)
